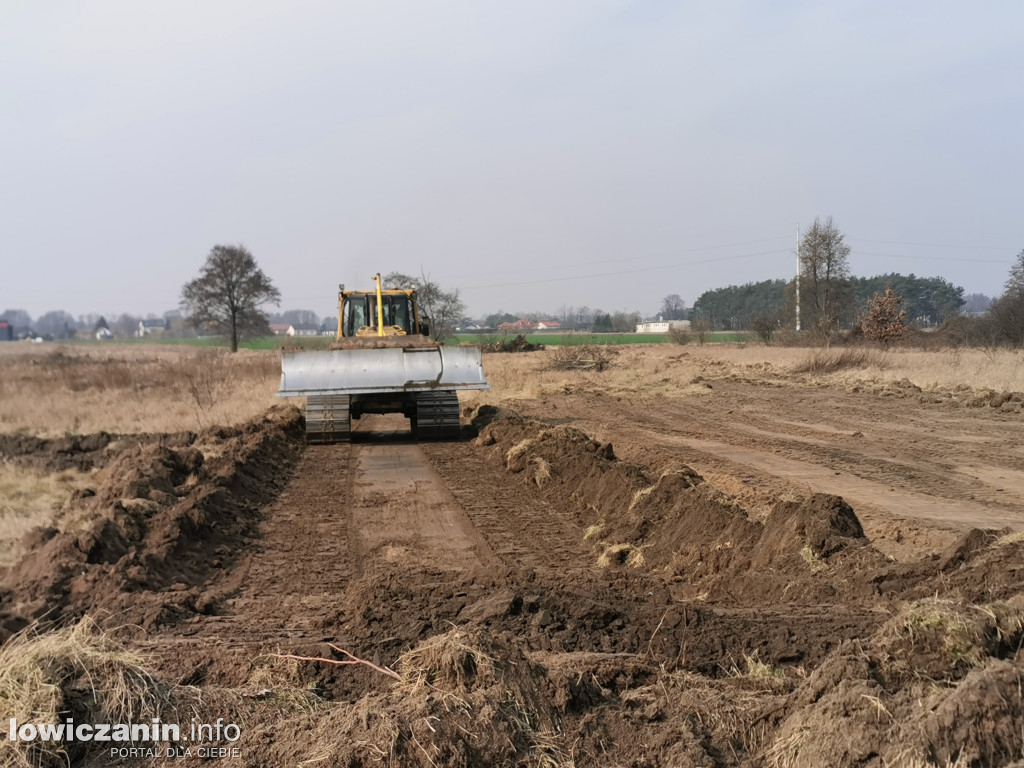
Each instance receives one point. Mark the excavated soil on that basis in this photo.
(581, 580)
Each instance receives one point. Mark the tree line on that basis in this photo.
(832, 300)
(230, 293)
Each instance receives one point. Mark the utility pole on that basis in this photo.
(798, 277)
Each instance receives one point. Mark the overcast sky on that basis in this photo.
(531, 154)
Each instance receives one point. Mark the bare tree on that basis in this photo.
(1008, 311)
(229, 293)
(826, 293)
(442, 308)
(764, 326)
(673, 307)
(701, 329)
(296, 317)
(125, 325)
(57, 324)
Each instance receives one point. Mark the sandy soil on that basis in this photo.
(917, 471)
(767, 571)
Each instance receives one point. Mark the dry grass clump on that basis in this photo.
(448, 662)
(755, 668)
(1017, 537)
(542, 474)
(585, 357)
(834, 360)
(619, 554)
(942, 639)
(516, 458)
(37, 672)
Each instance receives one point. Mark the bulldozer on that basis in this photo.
(382, 361)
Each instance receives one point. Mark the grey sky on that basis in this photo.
(532, 154)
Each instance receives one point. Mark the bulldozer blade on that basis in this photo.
(364, 371)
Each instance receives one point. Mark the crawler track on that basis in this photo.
(437, 416)
(328, 419)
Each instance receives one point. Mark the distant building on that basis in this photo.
(304, 329)
(662, 327)
(6, 331)
(526, 326)
(282, 329)
(519, 326)
(151, 327)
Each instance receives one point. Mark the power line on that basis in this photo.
(933, 245)
(931, 258)
(628, 271)
(675, 252)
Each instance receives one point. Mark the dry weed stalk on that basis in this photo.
(349, 661)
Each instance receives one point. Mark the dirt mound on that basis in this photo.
(464, 700)
(518, 344)
(683, 526)
(567, 463)
(383, 342)
(162, 518)
(81, 452)
(945, 676)
(811, 550)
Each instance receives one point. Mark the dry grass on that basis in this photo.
(581, 358)
(50, 391)
(617, 554)
(1017, 537)
(834, 360)
(28, 500)
(36, 670)
(813, 560)
(542, 474)
(755, 668)
(516, 458)
(662, 371)
(448, 662)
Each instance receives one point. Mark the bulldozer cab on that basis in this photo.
(359, 315)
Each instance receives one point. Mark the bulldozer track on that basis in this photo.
(328, 419)
(437, 416)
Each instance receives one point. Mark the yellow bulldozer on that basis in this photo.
(382, 361)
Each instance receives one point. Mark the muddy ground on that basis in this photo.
(769, 572)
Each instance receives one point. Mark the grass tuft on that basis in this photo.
(37, 671)
(834, 360)
(616, 554)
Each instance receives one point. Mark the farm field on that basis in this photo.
(320, 342)
(718, 555)
(577, 339)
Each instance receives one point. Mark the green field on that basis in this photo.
(577, 339)
(547, 339)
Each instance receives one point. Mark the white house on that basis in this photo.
(304, 329)
(151, 327)
(662, 327)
